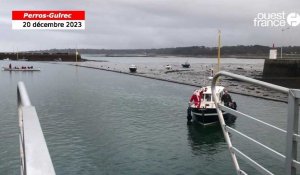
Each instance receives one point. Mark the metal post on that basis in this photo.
(292, 133)
(223, 125)
(76, 55)
(292, 128)
(219, 49)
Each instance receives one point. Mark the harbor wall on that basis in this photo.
(281, 68)
(70, 57)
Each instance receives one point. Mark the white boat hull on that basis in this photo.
(13, 69)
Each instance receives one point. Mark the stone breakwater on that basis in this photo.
(196, 76)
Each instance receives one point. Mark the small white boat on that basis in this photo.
(58, 60)
(168, 67)
(20, 69)
(132, 68)
(23, 59)
(204, 110)
(6, 59)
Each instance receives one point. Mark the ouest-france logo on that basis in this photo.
(280, 19)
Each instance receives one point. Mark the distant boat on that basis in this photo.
(132, 68)
(23, 59)
(6, 59)
(186, 65)
(20, 69)
(59, 59)
(168, 67)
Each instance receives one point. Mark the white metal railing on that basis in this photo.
(292, 136)
(34, 154)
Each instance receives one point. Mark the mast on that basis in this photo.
(76, 55)
(219, 50)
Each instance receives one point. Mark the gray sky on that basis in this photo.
(129, 24)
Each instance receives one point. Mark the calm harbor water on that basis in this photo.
(98, 122)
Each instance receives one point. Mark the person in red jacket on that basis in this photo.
(195, 99)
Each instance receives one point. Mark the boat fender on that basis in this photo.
(234, 106)
(189, 114)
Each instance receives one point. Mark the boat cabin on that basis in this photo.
(207, 99)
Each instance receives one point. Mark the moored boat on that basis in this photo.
(23, 59)
(132, 68)
(202, 109)
(58, 59)
(186, 65)
(168, 67)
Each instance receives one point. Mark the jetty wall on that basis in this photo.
(172, 81)
(281, 68)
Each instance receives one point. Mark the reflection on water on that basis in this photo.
(205, 140)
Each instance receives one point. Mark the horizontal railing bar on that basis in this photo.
(296, 164)
(225, 128)
(253, 163)
(250, 80)
(241, 172)
(37, 157)
(296, 137)
(21, 154)
(279, 156)
(295, 93)
(34, 153)
(25, 101)
(240, 114)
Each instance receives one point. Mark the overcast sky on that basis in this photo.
(130, 24)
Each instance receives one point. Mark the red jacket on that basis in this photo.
(195, 99)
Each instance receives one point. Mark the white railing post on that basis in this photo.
(223, 126)
(292, 128)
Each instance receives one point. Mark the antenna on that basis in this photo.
(17, 54)
(76, 53)
(219, 55)
(219, 49)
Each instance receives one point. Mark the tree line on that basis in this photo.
(255, 50)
